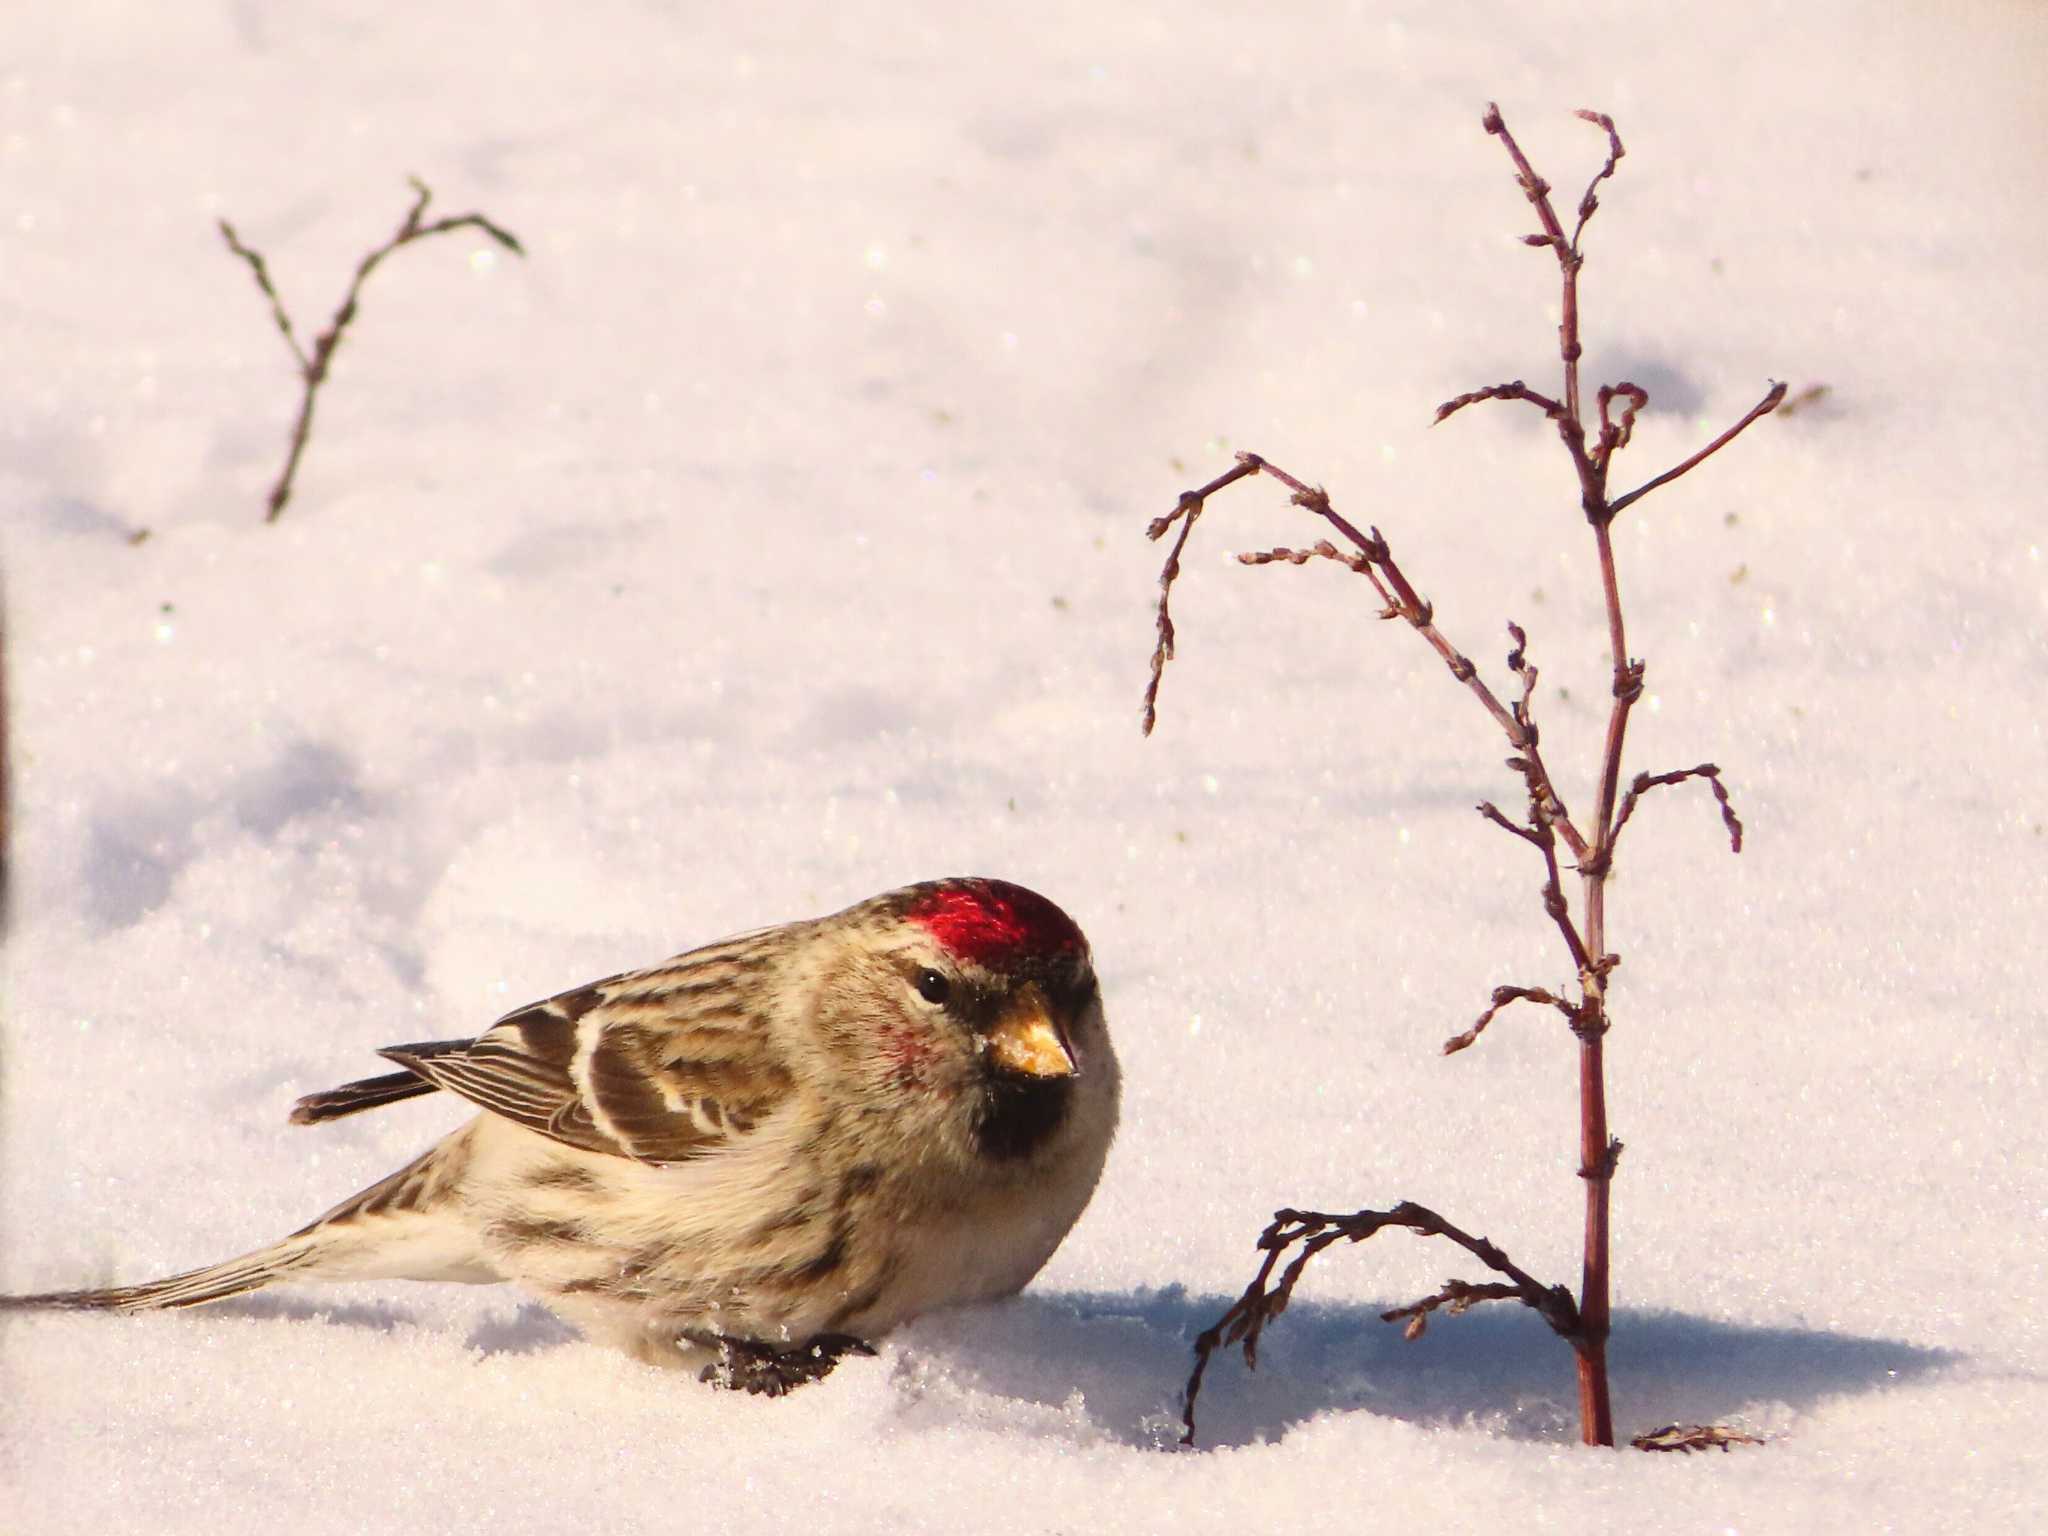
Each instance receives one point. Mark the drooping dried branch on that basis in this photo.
(1373, 559)
(1312, 1232)
(1185, 512)
(1645, 782)
(1502, 997)
(313, 366)
(1514, 391)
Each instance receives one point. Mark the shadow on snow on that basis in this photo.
(1127, 1355)
(1500, 1370)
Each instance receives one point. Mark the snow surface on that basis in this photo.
(773, 535)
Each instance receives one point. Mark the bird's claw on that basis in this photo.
(748, 1365)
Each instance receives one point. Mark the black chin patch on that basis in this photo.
(1016, 1114)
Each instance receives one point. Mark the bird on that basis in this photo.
(750, 1160)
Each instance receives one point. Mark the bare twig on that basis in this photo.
(1322, 549)
(1539, 833)
(1763, 407)
(1502, 997)
(1185, 512)
(1615, 433)
(1522, 667)
(313, 366)
(1456, 1297)
(1569, 260)
(261, 270)
(1534, 187)
(1588, 203)
(1645, 782)
(1515, 391)
(1314, 1231)
(1494, 814)
(1559, 911)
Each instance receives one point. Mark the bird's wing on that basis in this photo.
(660, 1065)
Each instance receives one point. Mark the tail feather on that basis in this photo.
(354, 1098)
(195, 1287)
(403, 1227)
(373, 1092)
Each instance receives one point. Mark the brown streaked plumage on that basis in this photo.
(750, 1158)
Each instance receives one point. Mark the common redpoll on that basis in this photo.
(752, 1158)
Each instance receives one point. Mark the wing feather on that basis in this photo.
(661, 1065)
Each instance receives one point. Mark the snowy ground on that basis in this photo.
(773, 535)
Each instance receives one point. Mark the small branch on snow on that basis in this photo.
(313, 366)
(1686, 1438)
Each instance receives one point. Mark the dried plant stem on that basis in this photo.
(1584, 1323)
(1502, 997)
(1313, 1231)
(313, 365)
(1763, 407)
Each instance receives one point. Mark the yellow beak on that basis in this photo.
(1026, 1040)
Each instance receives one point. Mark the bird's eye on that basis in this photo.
(933, 987)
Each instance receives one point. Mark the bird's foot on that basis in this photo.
(748, 1365)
